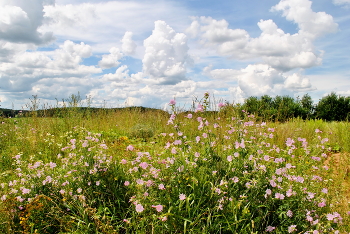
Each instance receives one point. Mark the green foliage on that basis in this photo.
(333, 108)
(279, 108)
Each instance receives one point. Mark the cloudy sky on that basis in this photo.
(146, 52)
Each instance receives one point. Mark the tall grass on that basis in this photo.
(134, 171)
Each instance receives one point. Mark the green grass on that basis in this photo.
(109, 172)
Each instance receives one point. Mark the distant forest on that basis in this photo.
(332, 107)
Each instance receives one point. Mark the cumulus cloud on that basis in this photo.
(311, 24)
(32, 71)
(260, 79)
(166, 55)
(276, 48)
(128, 46)
(20, 21)
(105, 22)
(112, 59)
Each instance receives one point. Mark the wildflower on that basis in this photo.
(292, 228)
(97, 183)
(309, 218)
(273, 183)
(159, 208)
(79, 190)
(143, 165)
(189, 116)
(161, 187)
(289, 142)
(130, 148)
(221, 104)
(165, 218)
(324, 190)
(290, 192)
(182, 197)
(229, 158)
(126, 183)
(139, 208)
(289, 213)
(200, 108)
(279, 196)
(172, 102)
(25, 191)
(235, 179)
(270, 228)
(173, 150)
(52, 165)
(62, 191)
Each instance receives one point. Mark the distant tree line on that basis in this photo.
(332, 107)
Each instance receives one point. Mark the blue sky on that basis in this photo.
(145, 53)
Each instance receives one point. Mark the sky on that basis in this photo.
(147, 52)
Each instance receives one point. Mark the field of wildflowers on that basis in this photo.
(194, 172)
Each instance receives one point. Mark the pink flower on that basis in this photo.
(173, 150)
(200, 108)
(221, 104)
(289, 142)
(182, 197)
(229, 158)
(324, 190)
(130, 148)
(159, 208)
(235, 179)
(143, 165)
(52, 165)
(273, 183)
(161, 187)
(270, 228)
(279, 196)
(172, 102)
(25, 191)
(289, 213)
(292, 228)
(126, 183)
(139, 208)
(322, 204)
(79, 190)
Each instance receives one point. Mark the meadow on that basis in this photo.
(148, 171)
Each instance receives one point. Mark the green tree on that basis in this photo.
(333, 107)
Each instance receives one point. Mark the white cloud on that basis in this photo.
(341, 2)
(166, 58)
(32, 71)
(278, 49)
(311, 24)
(104, 23)
(128, 46)
(20, 21)
(260, 79)
(112, 59)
